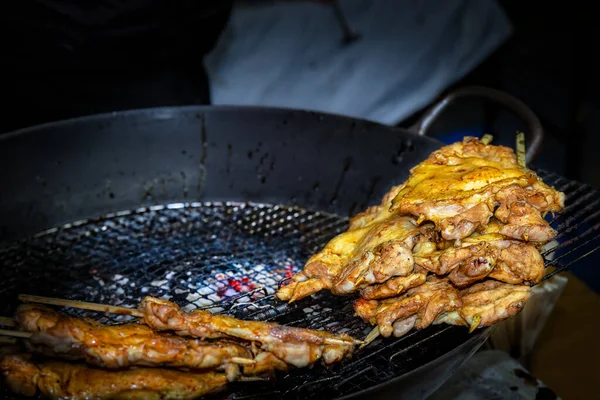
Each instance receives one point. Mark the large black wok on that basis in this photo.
(204, 204)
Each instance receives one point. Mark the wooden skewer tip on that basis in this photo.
(487, 138)
(84, 305)
(15, 334)
(252, 379)
(342, 342)
(520, 145)
(370, 337)
(5, 321)
(242, 361)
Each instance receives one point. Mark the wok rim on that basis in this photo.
(161, 113)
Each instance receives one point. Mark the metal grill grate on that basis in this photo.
(230, 257)
(577, 225)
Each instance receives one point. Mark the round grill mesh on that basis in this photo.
(225, 257)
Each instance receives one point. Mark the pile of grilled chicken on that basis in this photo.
(167, 354)
(458, 243)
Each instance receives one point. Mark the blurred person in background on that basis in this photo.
(67, 58)
(403, 55)
(64, 58)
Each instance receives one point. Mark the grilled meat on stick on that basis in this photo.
(437, 301)
(121, 346)
(395, 286)
(322, 269)
(290, 345)
(418, 308)
(459, 187)
(486, 254)
(59, 380)
(488, 302)
(371, 252)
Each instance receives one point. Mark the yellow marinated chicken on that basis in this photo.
(281, 345)
(420, 307)
(489, 254)
(468, 212)
(437, 302)
(371, 253)
(122, 346)
(395, 286)
(60, 380)
(488, 302)
(459, 187)
(322, 269)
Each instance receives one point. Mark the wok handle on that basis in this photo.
(511, 103)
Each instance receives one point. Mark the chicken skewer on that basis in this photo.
(121, 346)
(418, 308)
(294, 346)
(455, 193)
(60, 380)
(395, 286)
(216, 325)
(486, 254)
(460, 185)
(436, 302)
(371, 252)
(349, 261)
(286, 345)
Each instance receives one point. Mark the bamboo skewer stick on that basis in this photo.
(370, 337)
(487, 138)
(84, 305)
(520, 145)
(5, 321)
(129, 311)
(15, 334)
(242, 360)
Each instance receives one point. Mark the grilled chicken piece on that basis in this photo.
(420, 307)
(489, 254)
(59, 380)
(288, 345)
(437, 302)
(384, 252)
(395, 286)
(459, 186)
(486, 303)
(375, 214)
(520, 210)
(121, 346)
(374, 252)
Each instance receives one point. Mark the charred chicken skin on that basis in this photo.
(60, 380)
